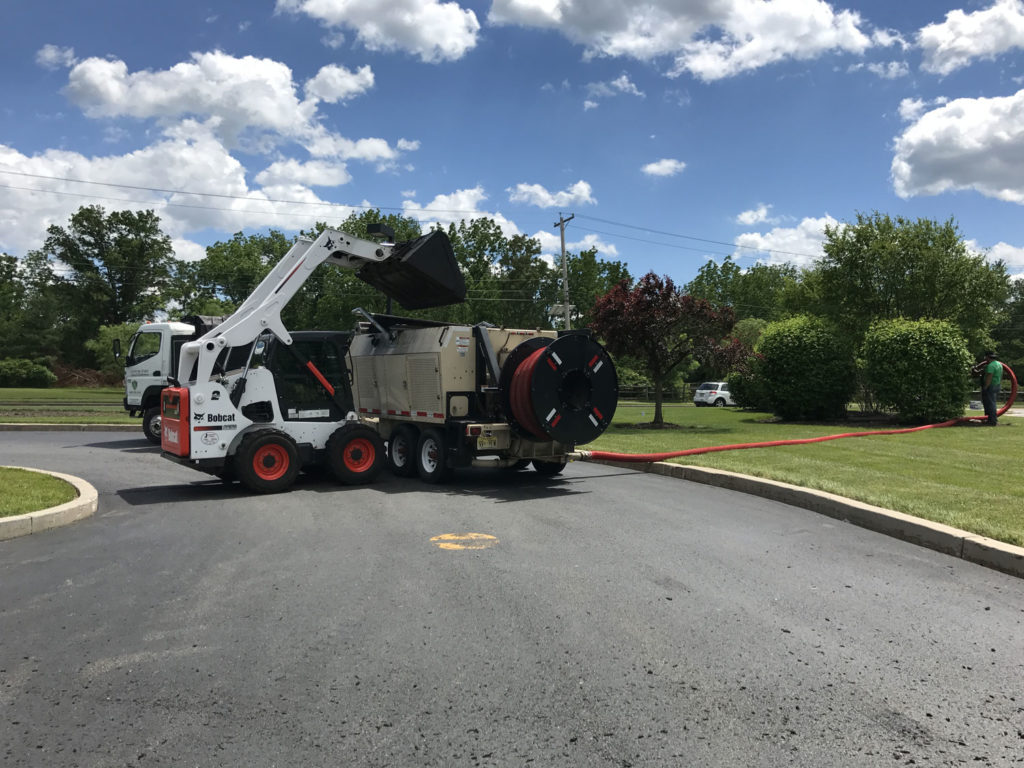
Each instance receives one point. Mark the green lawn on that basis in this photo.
(26, 491)
(67, 405)
(967, 477)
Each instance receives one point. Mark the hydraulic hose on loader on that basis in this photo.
(646, 458)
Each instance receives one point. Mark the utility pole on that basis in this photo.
(562, 221)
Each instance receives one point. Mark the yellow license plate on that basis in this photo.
(486, 442)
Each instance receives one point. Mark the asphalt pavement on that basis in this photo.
(608, 617)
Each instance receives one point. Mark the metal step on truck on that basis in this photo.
(421, 397)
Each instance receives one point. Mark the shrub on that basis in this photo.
(747, 385)
(24, 373)
(919, 368)
(807, 368)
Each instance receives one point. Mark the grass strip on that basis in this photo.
(965, 476)
(26, 491)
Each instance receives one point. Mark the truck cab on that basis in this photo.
(151, 359)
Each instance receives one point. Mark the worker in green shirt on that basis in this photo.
(991, 381)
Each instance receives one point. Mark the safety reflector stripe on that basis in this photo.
(556, 358)
(592, 361)
(392, 412)
(550, 415)
(592, 419)
(598, 413)
(438, 415)
(552, 364)
(598, 366)
(421, 413)
(554, 422)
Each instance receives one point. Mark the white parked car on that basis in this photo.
(714, 393)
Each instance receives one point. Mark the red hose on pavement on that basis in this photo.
(644, 458)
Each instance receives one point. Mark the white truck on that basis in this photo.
(256, 403)
(152, 359)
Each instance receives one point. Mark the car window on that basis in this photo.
(706, 385)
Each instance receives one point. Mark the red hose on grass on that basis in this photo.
(644, 458)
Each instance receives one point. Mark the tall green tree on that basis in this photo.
(505, 276)
(233, 268)
(660, 327)
(763, 291)
(589, 278)
(115, 266)
(881, 267)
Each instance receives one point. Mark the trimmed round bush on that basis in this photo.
(807, 368)
(747, 385)
(24, 373)
(919, 368)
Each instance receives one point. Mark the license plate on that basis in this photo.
(486, 442)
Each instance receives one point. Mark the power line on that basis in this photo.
(328, 204)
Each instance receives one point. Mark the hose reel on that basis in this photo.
(563, 389)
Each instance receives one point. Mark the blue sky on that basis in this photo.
(675, 131)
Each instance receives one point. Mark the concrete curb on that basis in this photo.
(943, 538)
(83, 506)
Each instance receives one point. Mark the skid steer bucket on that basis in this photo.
(420, 274)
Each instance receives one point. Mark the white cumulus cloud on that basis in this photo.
(313, 173)
(1011, 255)
(187, 156)
(710, 39)
(333, 83)
(461, 205)
(579, 193)
(434, 31)
(966, 144)
(667, 166)
(799, 245)
(963, 37)
(758, 215)
(54, 57)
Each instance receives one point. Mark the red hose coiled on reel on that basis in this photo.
(519, 396)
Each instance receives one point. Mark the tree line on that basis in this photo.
(104, 273)
(803, 342)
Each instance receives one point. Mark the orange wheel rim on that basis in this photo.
(359, 455)
(270, 462)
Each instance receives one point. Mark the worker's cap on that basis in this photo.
(989, 353)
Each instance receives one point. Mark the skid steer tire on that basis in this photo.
(267, 461)
(548, 468)
(151, 425)
(402, 451)
(431, 454)
(355, 454)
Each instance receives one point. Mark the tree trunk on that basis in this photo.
(658, 397)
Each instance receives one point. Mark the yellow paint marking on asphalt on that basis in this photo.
(465, 541)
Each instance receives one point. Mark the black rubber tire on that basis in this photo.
(431, 454)
(267, 461)
(548, 468)
(355, 454)
(151, 424)
(402, 451)
(720, 403)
